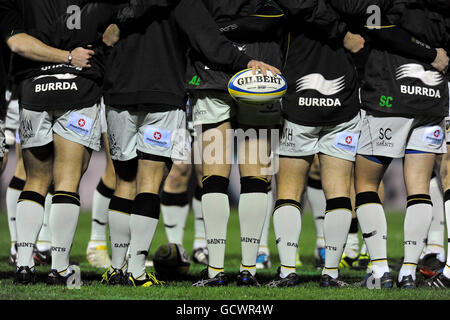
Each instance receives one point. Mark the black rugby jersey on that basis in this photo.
(254, 26)
(322, 78)
(148, 66)
(64, 24)
(10, 23)
(400, 85)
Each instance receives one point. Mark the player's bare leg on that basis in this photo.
(336, 181)
(200, 249)
(13, 191)
(370, 212)
(119, 212)
(317, 201)
(287, 220)
(255, 168)
(71, 161)
(38, 163)
(145, 215)
(215, 203)
(432, 259)
(175, 202)
(418, 212)
(97, 251)
(442, 280)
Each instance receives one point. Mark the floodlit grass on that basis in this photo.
(182, 290)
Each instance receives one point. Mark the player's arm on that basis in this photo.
(12, 30)
(359, 8)
(137, 9)
(267, 18)
(399, 41)
(95, 17)
(318, 14)
(204, 37)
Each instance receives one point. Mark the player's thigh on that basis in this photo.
(150, 175)
(291, 177)
(70, 163)
(336, 176)
(217, 145)
(109, 177)
(254, 152)
(38, 164)
(445, 170)
(369, 173)
(417, 170)
(126, 172)
(178, 179)
(314, 172)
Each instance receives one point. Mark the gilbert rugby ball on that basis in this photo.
(251, 88)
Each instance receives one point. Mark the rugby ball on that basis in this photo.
(171, 261)
(251, 88)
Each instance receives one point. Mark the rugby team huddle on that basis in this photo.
(366, 84)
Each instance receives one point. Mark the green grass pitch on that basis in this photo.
(182, 290)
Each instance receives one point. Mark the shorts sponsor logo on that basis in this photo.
(346, 141)
(158, 137)
(26, 129)
(434, 135)
(80, 124)
(385, 136)
(287, 138)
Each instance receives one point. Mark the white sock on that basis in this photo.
(316, 198)
(143, 223)
(119, 230)
(417, 223)
(337, 222)
(142, 230)
(264, 243)
(12, 195)
(44, 242)
(199, 223)
(435, 241)
(216, 212)
(252, 216)
(174, 210)
(63, 224)
(287, 224)
(100, 204)
(447, 218)
(29, 218)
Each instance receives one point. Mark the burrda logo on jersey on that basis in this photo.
(429, 78)
(317, 82)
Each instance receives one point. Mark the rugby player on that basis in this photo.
(147, 128)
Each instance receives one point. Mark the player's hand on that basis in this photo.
(353, 42)
(111, 35)
(441, 61)
(254, 65)
(81, 57)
